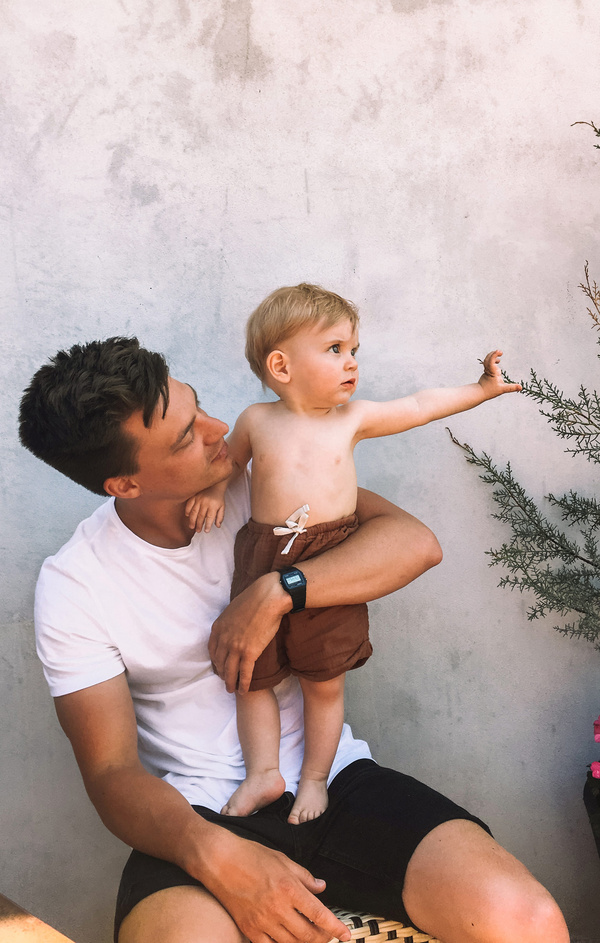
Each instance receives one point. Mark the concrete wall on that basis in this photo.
(165, 164)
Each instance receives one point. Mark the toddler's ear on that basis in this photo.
(277, 366)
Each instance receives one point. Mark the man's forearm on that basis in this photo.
(151, 815)
(261, 889)
(390, 549)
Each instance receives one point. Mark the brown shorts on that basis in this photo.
(317, 644)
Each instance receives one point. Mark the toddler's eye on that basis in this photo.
(353, 351)
(335, 348)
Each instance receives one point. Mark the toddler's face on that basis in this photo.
(322, 364)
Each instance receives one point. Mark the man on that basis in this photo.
(123, 618)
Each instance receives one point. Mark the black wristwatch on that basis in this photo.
(293, 581)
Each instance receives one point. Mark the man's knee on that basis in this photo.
(482, 892)
(179, 915)
(515, 905)
(533, 913)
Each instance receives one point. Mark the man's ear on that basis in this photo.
(122, 486)
(277, 366)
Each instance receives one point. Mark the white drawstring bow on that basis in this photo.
(295, 525)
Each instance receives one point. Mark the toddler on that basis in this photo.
(302, 343)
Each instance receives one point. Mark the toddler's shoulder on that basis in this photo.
(253, 419)
(257, 412)
(356, 407)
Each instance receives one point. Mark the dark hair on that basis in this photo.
(72, 411)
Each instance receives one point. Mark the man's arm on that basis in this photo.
(263, 891)
(389, 550)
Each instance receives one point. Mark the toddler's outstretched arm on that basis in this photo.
(378, 419)
(208, 507)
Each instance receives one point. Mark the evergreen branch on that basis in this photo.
(586, 628)
(590, 545)
(566, 589)
(590, 124)
(571, 419)
(535, 539)
(572, 583)
(561, 573)
(577, 510)
(563, 591)
(592, 292)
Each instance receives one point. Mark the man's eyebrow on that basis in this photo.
(194, 392)
(190, 425)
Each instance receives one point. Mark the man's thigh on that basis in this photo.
(179, 915)
(145, 877)
(361, 846)
(481, 891)
(376, 820)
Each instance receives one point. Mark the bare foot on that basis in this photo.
(311, 801)
(257, 790)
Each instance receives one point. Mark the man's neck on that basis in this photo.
(163, 525)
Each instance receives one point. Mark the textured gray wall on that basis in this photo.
(165, 164)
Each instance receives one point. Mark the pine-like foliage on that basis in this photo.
(558, 565)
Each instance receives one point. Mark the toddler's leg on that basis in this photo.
(259, 731)
(323, 720)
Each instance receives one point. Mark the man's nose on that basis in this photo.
(213, 429)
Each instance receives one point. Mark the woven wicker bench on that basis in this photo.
(17, 924)
(377, 929)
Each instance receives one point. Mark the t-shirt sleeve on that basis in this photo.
(73, 644)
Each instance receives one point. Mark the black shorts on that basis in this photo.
(360, 846)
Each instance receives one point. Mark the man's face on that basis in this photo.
(182, 453)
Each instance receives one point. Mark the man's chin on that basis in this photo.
(222, 468)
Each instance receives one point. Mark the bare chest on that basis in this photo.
(303, 464)
(301, 447)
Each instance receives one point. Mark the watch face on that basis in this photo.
(293, 579)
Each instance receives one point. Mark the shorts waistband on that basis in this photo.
(325, 527)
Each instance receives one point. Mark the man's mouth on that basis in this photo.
(222, 453)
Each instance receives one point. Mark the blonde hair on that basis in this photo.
(285, 312)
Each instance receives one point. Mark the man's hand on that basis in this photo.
(269, 896)
(491, 380)
(390, 549)
(245, 628)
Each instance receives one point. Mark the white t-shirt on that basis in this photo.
(109, 602)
